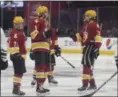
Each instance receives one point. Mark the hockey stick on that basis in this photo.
(91, 94)
(68, 62)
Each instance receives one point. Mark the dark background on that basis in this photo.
(65, 15)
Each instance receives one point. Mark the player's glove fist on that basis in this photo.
(116, 59)
(71, 32)
(31, 55)
(24, 57)
(60, 31)
(4, 65)
(48, 34)
(57, 51)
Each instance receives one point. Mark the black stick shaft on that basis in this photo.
(67, 62)
(105, 83)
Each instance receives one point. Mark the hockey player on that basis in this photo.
(54, 50)
(40, 47)
(3, 51)
(18, 52)
(90, 38)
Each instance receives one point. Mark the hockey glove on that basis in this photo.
(31, 55)
(61, 31)
(3, 54)
(4, 65)
(48, 34)
(71, 33)
(57, 51)
(116, 59)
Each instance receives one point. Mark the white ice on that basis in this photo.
(69, 79)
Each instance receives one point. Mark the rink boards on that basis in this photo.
(109, 46)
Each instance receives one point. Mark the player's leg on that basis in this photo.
(33, 82)
(51, 79)
(19, 70)
(92, 79)
(86, 68)
(40, 66)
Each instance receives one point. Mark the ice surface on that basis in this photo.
(69, 79)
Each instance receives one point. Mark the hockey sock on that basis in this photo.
(40, 75)
(34, 74)
(86, 75)
(17, 80)
(92, 80)
(50, 70)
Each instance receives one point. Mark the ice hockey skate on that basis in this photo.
(33, 83)
(52, 81)
(17, 92)
(42, 92)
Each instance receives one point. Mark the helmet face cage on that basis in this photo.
(19, 26)
(18, 22)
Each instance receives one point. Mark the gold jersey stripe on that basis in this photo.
(43, 45)
(34, 34)
(86, 76)
(13, 50)
(52, 51)
(56, 42)
(16, 79)
(41, 75)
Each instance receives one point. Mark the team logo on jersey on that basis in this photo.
(108, 43)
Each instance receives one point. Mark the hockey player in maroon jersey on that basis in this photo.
(40, 35)
(18, 52)
(90, 38)
(54, 50)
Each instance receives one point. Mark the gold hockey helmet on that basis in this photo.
(91, 13)
(18, 19)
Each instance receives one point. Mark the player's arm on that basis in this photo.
(98, 40)
(22, 46)
(35, 34)
(75, 36)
